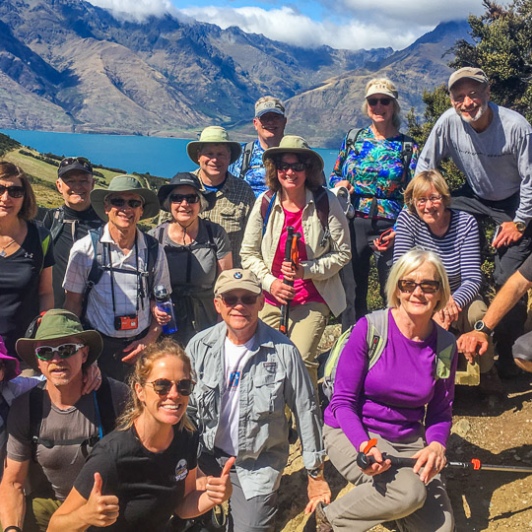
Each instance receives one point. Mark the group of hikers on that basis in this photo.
(122, 411)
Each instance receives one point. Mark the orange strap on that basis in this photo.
(371, 443)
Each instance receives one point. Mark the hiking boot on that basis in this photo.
(322, 523)
(490, 383)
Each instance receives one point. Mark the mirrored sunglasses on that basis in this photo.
(121, 202)
(163, 386)
(231, 300)
(296, 167)
(179, 198)
(13, 191)
(383, 101)
(45, 352)
(427, 287)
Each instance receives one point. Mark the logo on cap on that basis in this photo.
(237, 275)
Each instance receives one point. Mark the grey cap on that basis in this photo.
(269, 104)
(473, 73)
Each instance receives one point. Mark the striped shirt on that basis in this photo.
(459, 250)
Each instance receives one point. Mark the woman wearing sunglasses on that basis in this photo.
(143, 472)
(309, 284)
(375, 164)
(26, 257)
(197, 251)
(430, 223)
(404, 401)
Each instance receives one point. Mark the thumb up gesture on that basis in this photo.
(100, 510)
(219, 489)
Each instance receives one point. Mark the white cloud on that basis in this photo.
(135, 9)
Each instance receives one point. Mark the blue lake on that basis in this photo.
(159, 156)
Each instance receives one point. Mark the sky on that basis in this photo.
(345, 24)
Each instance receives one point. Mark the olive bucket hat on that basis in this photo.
(213, 135)
(59, 324)
(293, 144)
(125, 183)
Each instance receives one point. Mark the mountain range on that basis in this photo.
(66, 65)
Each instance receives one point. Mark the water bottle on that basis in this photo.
(165, 304)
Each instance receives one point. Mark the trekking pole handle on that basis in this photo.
(365, 460)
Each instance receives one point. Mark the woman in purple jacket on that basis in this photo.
(404, 401)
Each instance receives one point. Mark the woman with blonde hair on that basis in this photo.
(400, 403)
(143, 472)
(26, 256)
(375, 164)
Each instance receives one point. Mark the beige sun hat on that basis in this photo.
(293, 144)
(237, 279)
(214, 135)
(125, 183)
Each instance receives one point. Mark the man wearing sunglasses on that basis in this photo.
(111, 274)
(55, 425)
(72, 220)
(247, 374)
(492, 146)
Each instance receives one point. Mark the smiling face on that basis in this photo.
(9, 206)
(213, 160)
(290, 179)
(184, 212)
(470, 101)
(379, 113)
(429, 206)
(75, 187)
(167, 409)
(63, 371)
(270, 128)
(418, 303)
(125, 217)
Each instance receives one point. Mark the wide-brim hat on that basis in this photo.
(214, 135)
(181, 179)
(293, 144)
(12, 364)
(125, 183)
(59, 324)
(237, 279)
(473, 73)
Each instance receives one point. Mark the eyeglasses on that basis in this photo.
(163, 386)
(427, 287)
(13, 191)
(231, 300)
(81, 160)
(296, 167)
(434, 199)
(473, 95)
(45, 352)
(179, 198)
(121, 202)
(383, 101)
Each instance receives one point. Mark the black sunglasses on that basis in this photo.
(45, 352)
(163, 386)
(232, 300)
(13, 191)
(296, 167)
(374, 101)
(81, 160)
(179, 198)
(121, 202)
(427, 287)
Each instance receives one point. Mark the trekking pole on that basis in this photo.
(364, 461)
(291, 254)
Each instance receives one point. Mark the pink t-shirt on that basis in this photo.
(305, 289)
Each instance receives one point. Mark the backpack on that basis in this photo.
(376, 339)
(246, 158)
(103, 408)
(321, 200)
(97, 268)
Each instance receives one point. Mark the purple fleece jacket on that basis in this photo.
(396, 395)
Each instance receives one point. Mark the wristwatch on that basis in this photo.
(520, 226)
(13, 528)
(315, 474)
(480, 326)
